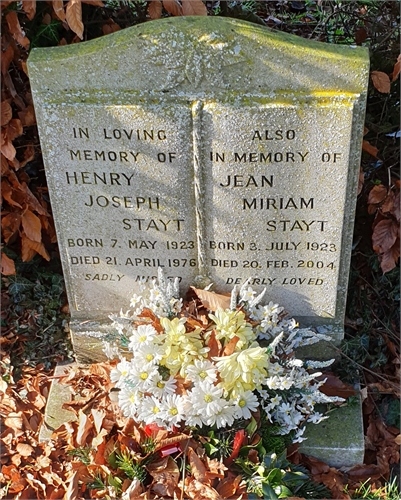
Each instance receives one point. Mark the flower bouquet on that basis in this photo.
(227, 379)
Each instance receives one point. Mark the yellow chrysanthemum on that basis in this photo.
(243, 370)
(232, 323)
(181, 347)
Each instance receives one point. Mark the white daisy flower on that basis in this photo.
(245, 403)
(201, 371)
(224, 415)
(173, 409)
(149, 354)
(129, 400)
(141, 376)
(143, 335)
(159, 387)
(120, 373)
(150, 411)
(206, 397)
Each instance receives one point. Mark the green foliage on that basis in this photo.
(131, 468)
(218, 447)
(96, 484)
(46, 35)
(83, 454)
(37, 294)
(272, 441)
(389, 491)
(275, 477)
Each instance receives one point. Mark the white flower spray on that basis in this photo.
(172, 379)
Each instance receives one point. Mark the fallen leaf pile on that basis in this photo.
(81, 459)
(385, 204)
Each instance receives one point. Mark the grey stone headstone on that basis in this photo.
(215, 148)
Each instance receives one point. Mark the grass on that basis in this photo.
(389, 491)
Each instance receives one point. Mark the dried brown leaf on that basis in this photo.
(372, 150)
(98, 417)
(6, 113)
(389, 259)
(193, 8)
(396, 207)
(198, 491)
(29, 7)
(10, 224)
(165, 478)
(74, 17)
(7, 148)
(212, 301)
(11, 474)
(14, 129)
(396, 69)
(27, 116)
(230, 347)
(84, 427)
(381, 81)
(24, 449)
(8, 192)
(15, 29)
(6, 58)
(214, 345)
(155, 9)
(133, 491)
(336, 387)
(32, 226)
(29, 155)
(173, 7)
(14, 420)
(25, 195)
(377, 194)
(58, 8)
(7, 265)
(388, 204)
(110, 27)
(384, 235)
(29, 248)
(72, 492)
(227, 487)
(197, 466)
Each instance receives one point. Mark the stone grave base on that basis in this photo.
(338, 441)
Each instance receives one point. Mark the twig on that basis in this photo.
(363, 367)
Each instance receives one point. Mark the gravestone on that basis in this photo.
(213, 148)
(216, 149)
